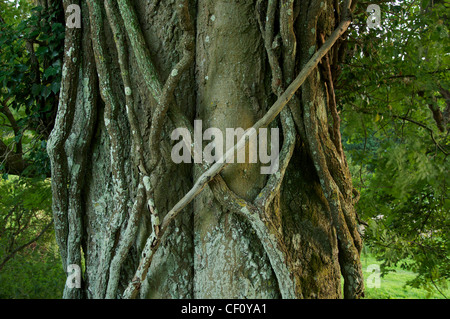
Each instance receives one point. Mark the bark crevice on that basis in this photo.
(299, 110)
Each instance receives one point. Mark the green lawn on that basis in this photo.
(393, 285)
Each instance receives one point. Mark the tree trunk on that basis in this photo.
(138, 70)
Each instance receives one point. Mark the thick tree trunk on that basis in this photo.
(230, 61)
(138, 70)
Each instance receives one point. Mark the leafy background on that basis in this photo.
(31, 44)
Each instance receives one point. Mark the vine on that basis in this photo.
(296, 117)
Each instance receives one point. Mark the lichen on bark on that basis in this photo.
(160, 65)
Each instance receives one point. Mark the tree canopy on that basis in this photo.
(394, 94)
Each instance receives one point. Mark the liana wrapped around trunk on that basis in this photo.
(144, 226)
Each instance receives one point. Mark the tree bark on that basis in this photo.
(138, 70)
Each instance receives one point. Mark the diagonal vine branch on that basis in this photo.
(153, 241)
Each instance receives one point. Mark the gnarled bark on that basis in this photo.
(144, 227)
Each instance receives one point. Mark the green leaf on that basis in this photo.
(56, 86)
(36, 89)
(46, 92)
(425, 3)
(50, 71)
(41, 50)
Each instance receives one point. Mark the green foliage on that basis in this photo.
(14, 11)
(33, 274)
(31, 45)
(30, 75)
(33, 270)
(392, 89)
(393, 285)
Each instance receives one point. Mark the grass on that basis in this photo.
(393, 285)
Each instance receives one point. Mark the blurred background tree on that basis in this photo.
(31, 42)
(30, 265)
(394, 94)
